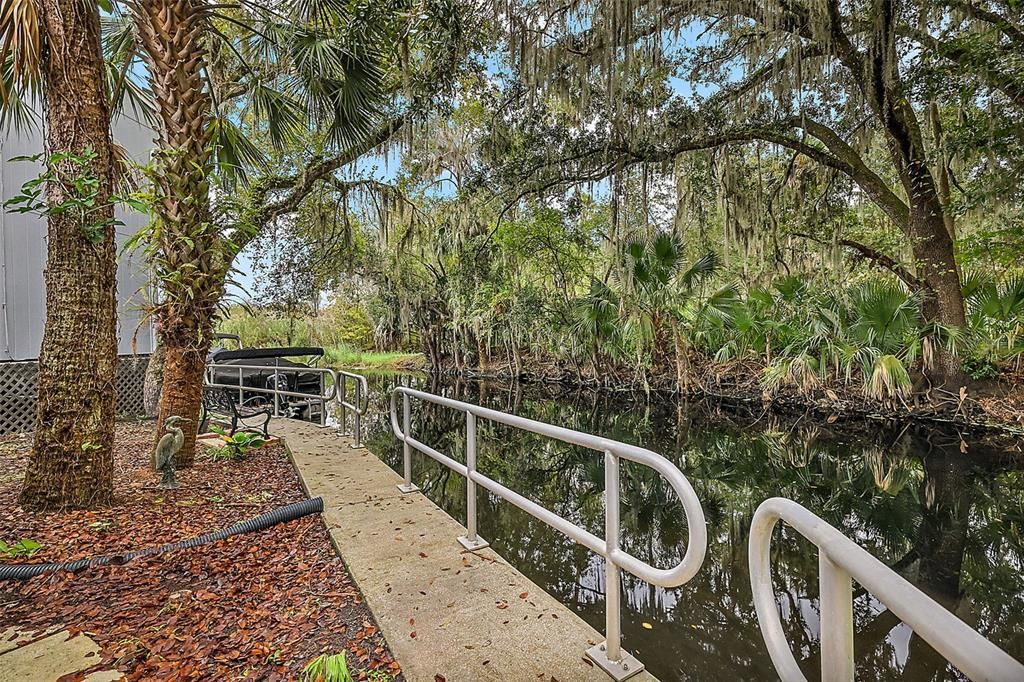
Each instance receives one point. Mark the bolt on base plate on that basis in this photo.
(408, 487)
(619, 670)
(471, 545)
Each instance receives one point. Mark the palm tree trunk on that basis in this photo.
(182, 394)
(72, 455)
(193, 259)
(154, 382)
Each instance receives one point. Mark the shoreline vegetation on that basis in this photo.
(995, 404)
(791, 382)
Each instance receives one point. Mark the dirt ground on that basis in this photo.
(257, 606)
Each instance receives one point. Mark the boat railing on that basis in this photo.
(333, 387)
(328, 389)
(608, 655)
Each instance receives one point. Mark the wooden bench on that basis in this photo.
(219, 407)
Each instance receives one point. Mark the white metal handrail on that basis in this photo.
(840, 560)
(359, 407)
(609, 654)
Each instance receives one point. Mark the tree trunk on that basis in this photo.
(483, 362)
(682, 360)
(182, 394)
(927, 229)
(172, 34)
(72, 455)
(154, 382)
(944, 300)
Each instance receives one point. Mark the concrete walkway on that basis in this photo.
(447, 613)
(27, 657)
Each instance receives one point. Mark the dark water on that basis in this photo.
(946, 511)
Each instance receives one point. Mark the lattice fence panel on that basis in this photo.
(17, 396)
(18, 392)
(131, 375)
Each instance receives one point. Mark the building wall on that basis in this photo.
(23, 253)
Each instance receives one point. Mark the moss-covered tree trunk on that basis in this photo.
(72, 456)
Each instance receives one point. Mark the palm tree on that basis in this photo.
(659, 293)
(209, 66)
(54, 46)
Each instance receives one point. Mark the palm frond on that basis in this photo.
(17, 106)
(701, 269)
(281, 113)
(122, 59)
(21, 48)
(233, 150)
(889, 379)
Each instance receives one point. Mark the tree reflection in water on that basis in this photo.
(946, 510)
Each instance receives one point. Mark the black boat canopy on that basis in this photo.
(257, 353)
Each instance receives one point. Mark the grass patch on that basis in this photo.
(340, 356)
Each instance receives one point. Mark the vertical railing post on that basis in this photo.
(470, 539)
(836, 604)
(343, 415)
(356, 422)
(323, 403)
(274, 385)
(609, 655)
(241, 398)
(613, 617)
(407, 486)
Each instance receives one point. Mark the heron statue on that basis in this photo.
(166, 449)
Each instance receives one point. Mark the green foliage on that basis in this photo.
(71, 177)
(337, 326)
(327, 668)
(236, 445)
(21, 549)
(980, 369)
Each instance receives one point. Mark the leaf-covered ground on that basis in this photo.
(256, 606)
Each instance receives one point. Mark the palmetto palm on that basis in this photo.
(659, 293)
(877, 333)
(996, 316)
(595, 322)
(281, 70)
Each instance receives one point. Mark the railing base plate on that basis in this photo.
(473, 545)
(408, 487)
(620, 670)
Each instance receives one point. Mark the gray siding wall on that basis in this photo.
(23, 253)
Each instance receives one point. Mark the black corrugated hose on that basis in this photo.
(287, 513)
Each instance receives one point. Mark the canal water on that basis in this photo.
(944, 509)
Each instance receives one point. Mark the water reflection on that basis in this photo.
(944, 510)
